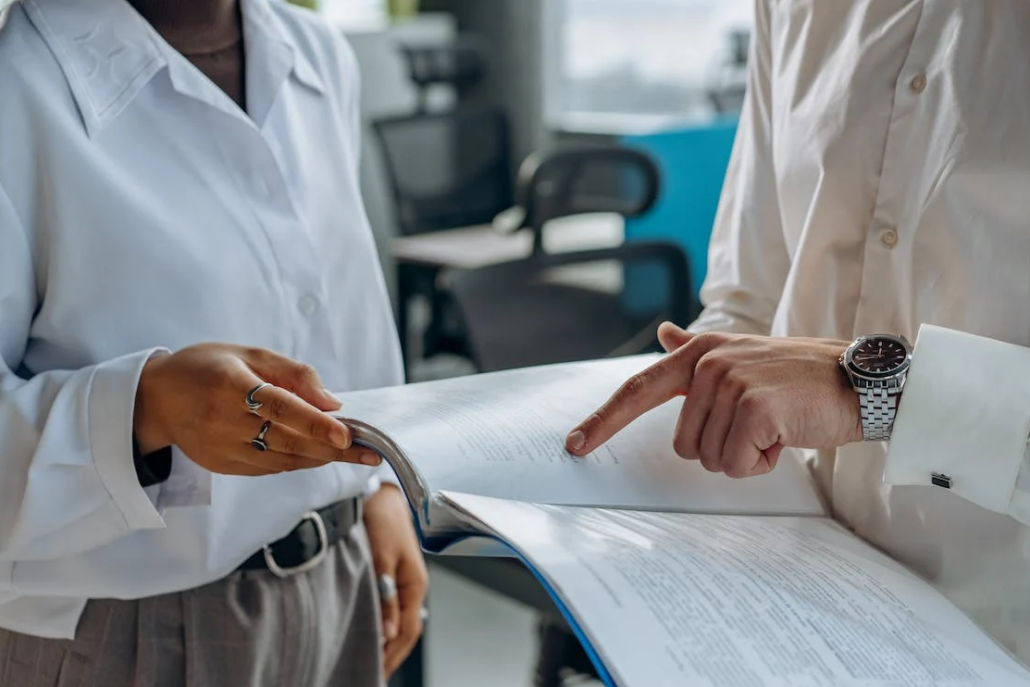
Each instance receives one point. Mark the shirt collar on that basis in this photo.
(261, 22)
(272, 55)
(109, 53)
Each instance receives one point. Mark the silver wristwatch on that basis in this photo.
(877, 366)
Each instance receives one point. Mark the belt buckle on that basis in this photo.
(314, 561)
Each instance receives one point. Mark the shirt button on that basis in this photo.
(889, 238)
(307, 305)
(918, 83)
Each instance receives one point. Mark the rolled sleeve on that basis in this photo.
(111, 406)
(386, 475)
(965, 413)
(748, 259)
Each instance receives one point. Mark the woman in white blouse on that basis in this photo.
(171, 174)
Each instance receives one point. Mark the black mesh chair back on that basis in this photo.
(584, 180)
(461, 65)
(447, 170)
(552, 308)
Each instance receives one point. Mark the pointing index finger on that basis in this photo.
(644, 391)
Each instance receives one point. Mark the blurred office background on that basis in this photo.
(541, 177)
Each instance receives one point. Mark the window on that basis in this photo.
(614, 65)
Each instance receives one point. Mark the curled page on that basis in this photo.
(720, 601)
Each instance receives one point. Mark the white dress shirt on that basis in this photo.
(141, 209)
(880, 182)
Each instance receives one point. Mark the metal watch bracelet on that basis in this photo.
(879, 407)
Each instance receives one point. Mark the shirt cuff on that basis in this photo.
(112, 402)
(964, 414)
(383, 475)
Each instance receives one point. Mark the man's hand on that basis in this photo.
(196, 399)
(395, 552)
(746, 398)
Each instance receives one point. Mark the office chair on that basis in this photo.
(560, 307)
(461, 65)
(563, 307)
(446, 170)
(580, 305)
(581, 180)
(728, 84)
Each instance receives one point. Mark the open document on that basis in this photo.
(680, 600)
(672, 575)
(503, 435)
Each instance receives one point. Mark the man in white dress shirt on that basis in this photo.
(173, 512)
(879, 183)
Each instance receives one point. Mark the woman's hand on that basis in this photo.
(196, 400)
(395, 552)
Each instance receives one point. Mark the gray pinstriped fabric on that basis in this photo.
(317, 629)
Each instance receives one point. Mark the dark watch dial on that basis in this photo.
(879, 356)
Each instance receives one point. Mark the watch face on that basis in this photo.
(879, 356)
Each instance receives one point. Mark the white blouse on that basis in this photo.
(141, 209)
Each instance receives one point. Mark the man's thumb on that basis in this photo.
(672, 337)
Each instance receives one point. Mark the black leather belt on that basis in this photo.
(309, 542)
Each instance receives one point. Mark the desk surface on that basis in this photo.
(479, 246)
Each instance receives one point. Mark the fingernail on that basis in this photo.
(329, 396)
(370, 459)
(576, 440)
(390, 629)
(340, 437)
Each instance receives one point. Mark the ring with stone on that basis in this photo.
(258, 442)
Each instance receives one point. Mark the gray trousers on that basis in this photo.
(317, 629)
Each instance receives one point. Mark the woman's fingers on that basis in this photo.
(281, 439)
(411, 592)
(270, 464)
(296, 377)
(284, 408)
(200, 399)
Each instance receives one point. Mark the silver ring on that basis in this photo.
(387, 588)
(425, 614)
(258, 442)
(252, 404)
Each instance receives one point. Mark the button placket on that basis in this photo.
(261, 182)
(877, 308)
(294, 252)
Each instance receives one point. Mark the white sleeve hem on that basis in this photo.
(964, 413)
(112, 400)
(386, 475)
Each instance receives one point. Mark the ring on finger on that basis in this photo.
(253, 405)
(258, 442)
(387, 587)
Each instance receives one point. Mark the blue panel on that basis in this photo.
(573, 622)
(693, 162)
